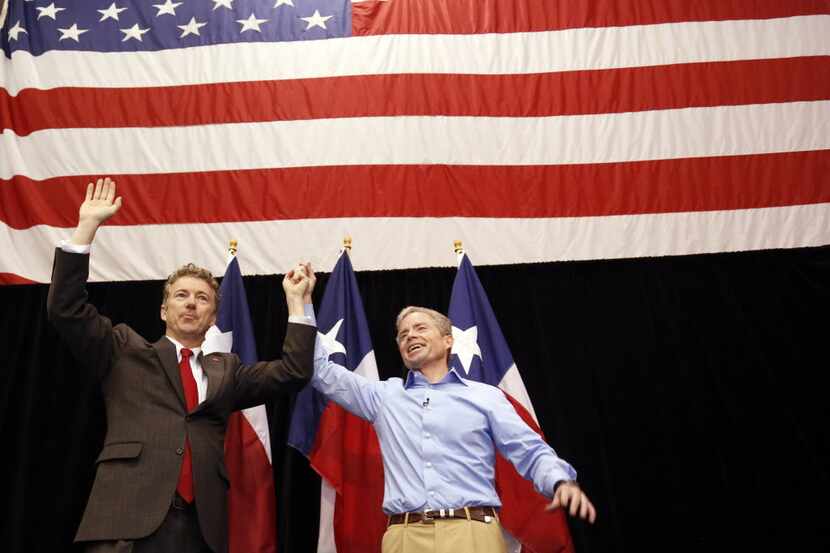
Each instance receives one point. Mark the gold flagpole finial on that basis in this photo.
(233, 247)
(457, 247)
(347, 244)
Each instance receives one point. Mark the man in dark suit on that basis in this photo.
(161, 484)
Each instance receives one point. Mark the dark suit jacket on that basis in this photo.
(147, 420)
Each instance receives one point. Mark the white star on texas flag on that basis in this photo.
(329, 339)
(465, 345)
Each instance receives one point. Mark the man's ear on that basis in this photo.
(163, 313)
(448, 340)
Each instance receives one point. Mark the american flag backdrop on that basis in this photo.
(538, 130)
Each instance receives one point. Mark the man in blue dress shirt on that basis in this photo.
(438, 434)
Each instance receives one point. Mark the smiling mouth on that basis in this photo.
(413, 348)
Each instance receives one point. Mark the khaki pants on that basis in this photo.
(444, 536)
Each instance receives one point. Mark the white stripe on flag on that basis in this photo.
(489, 54)
(406, 242)
(257, 417)
(513, 384)
(575, 139)
(325, 537)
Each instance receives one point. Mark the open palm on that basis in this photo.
(100, 203)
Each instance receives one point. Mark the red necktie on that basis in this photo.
(191, 396)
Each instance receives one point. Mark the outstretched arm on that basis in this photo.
(88, 334)
(537, 461)
(262, 381)
(353, 392)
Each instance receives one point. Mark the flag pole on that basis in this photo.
(459, 250)
(3, 10)
(347, 244)
(232, 248)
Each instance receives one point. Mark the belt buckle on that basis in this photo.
(427, 518)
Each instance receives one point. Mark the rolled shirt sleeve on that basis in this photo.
(533, 458)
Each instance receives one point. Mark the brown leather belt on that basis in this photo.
(480, 514)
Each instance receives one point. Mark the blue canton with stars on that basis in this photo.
(39, 26)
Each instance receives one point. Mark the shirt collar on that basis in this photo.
(179, 348)
(415, 378)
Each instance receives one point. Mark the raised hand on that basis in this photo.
(295, 285)
(312, 280)
(99, 205)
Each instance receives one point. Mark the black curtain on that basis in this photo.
(691, 394)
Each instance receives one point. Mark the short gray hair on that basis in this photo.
(441, 321)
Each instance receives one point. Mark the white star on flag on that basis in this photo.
(251, 24)
(49, 11)
(15, 31)
(72, 32)
(169, 7)
(329, 339)
(465, 345)
(111, 12)
(192, 28)
(316, 20)
(223, 3)
(284, 3)
(134, 32)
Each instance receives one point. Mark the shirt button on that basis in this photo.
(432, 494)
(179, 451)
(426, 436)
(187, 418)
(429, 465)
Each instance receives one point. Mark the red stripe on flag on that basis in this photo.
(252, 504)
(11, 278)
(523, 508)
(498, 16)
(527, 95)
(662, 186)
(347, 454)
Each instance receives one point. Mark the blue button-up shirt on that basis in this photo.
(439, 440)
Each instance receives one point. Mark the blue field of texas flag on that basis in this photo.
(481, 353)
(252, 503)
(343, 448)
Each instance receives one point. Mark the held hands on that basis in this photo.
(312, 280)
(99, 205)
(297, 273)
(298, 285)
(570, 496)
(296, 282)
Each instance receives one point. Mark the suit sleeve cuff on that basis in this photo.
(301, 320)
(68, 247)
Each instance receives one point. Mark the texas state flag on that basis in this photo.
(252, 508)
(480, 353)
(343, 448)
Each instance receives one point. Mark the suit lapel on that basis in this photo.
(166, 352)
(214, 367)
